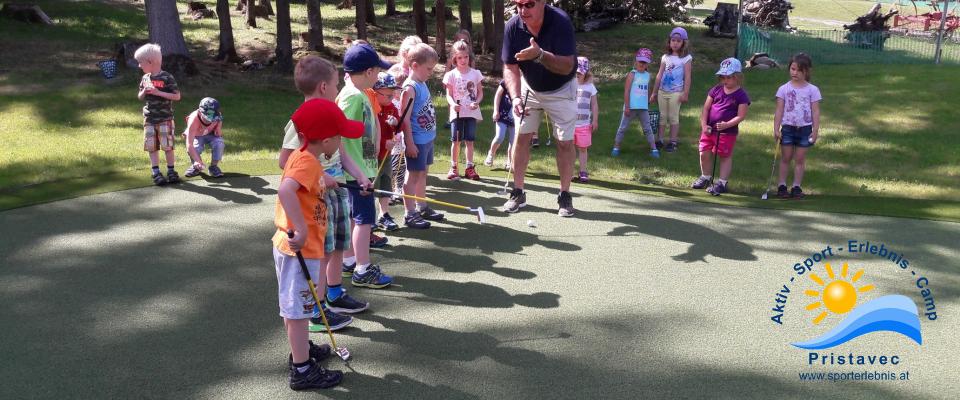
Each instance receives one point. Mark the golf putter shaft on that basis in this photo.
(313, 291)
(384, 161)
(773, 169)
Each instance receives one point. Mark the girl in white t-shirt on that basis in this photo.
(796, 123)
(672, 86)
(587, 113)
(464, 94)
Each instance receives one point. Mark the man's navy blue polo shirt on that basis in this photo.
(556, 36)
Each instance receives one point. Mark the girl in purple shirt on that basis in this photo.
(725, 107)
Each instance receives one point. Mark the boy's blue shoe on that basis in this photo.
(193, 171)
(373, 278)
(215, 171)
(655, 153)
(315, 377)
(172, 176)
(317, 352)
(337, 321)
(347, 270)
(377, 241)
(615, 152)
(158, 179)
(347, 305)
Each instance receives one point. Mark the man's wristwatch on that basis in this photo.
(539, 57)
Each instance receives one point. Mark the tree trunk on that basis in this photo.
(498, 37)
(315, 22)
(371, 13)
(250, 13)
(391, 8)
(240, 5)
(266, 6)
(284, 38)
(361, 19)
(466, 16)
(420, 19)
(486, 9)
(163, 22)
(441, 15)
(228, 49)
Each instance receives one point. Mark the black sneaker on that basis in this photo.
(659, 144)
(671, 147)
(700, 183)
(337, 321)
(315, 377)
(518, 199)
(782, 192)
(535, 142)
(717, 188)
(377, 241)
(411, 221)
(347, 305)
(347, 270)
(428, 214)
(387, 223)
(796, 192)
(374, 278)
(158, 179)
(566, 204)
(317, 353)
(172, 176)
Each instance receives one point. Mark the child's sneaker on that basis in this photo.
(336, 321)
(535, 142)
(488, 161)
(158, 179)
(671, 147)
(396, 200)
(700, 183)
(782, 192)
(315, 377)
(414, 221)
(796, 192)
(717, 188)
(615, 152)
(172, 176)
(549, 141)
(377, 241)
(347, 305)
(655, 153)
(471, 173)
(215, 171)
(584, 177)
(429, 214)
(317, 353)
(387, 223)
(346, 271)
(193, 171)
(453, 174)
(659, 144)
(373, 278)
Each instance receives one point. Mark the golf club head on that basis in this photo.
(503, 191)
(481, 216)
(764, 197)
(343, 353)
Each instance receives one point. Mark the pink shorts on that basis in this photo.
(708, 140)
(583, 136)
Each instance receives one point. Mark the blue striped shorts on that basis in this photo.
(339, 229)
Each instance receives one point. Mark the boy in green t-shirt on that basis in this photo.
(363, 64)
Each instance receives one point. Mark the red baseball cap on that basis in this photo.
(320, 119)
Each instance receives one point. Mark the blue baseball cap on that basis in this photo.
(729, 66)
(385, 81)
(210, 108)
(679, 33)
(362, 57)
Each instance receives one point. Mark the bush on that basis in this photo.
(630, 10)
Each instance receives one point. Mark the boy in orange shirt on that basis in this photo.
(300, 207)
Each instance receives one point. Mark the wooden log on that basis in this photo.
(26, 12)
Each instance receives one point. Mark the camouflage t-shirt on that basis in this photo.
(158, 109)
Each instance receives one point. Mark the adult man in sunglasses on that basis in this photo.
(540, 58)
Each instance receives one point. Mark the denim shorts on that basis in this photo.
(363, 209)
(424, 158)
(796, 135)
(468, 127)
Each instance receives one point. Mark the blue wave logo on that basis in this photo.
(894, 313)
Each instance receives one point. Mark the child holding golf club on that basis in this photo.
(464, 94)
(672, 86)
(723, 110)
(205, 127)
(300, 208)
(796, 123)
(363, 64)
(503, 118)
(587, 114)
(158, 89)
(389, 118)
(636, 94)
(420, 130)
(317, 78)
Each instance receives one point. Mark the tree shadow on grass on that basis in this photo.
(472, 294)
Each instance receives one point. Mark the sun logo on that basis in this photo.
(838, 296)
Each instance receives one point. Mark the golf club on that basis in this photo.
(384, 161)
(342, 352)
(773, 169)
(513, 146)
(716, 149)
(458, 133)
(481, 216)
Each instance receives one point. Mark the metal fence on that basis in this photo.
(844, 47)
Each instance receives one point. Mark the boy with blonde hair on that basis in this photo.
(420, 126)
(158, 90)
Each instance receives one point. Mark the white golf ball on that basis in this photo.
(531, 223)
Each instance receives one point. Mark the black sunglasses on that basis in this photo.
(528, 6)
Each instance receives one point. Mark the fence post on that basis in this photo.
(943, 22)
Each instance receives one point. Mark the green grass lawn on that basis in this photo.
(65, 132)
